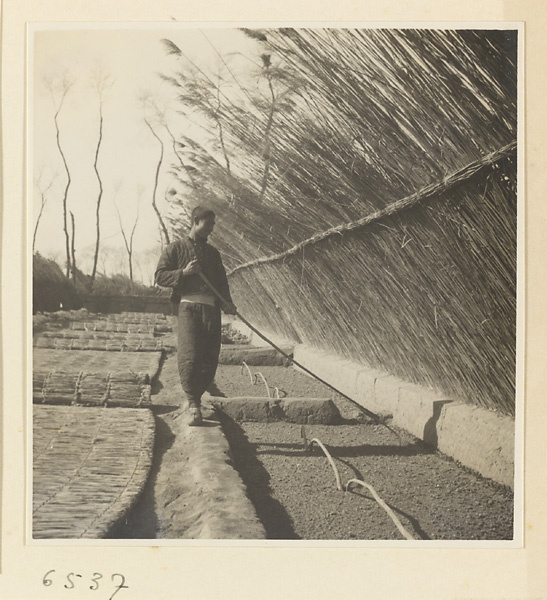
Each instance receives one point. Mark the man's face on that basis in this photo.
(204, 227)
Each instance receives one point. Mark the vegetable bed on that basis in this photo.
(294, 491)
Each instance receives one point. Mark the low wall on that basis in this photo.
(479, 439)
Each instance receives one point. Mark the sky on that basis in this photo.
(129, 153)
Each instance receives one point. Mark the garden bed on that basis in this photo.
(295, 494)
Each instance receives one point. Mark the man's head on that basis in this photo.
(203, 222)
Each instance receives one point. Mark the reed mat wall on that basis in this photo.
(365, 193)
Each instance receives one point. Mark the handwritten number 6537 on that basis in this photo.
(46, 581)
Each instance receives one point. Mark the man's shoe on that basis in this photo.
(195, 416)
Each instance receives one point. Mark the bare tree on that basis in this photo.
(72, 248)
(43, 189)
(128, 238)
(101, 82)
(153, 113)
(146, 261)
(58, 88)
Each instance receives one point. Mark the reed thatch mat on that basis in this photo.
(90, 465)
(57, 320)
(98, 335)
(101, 325)
(150, 318)
(124, 345)
(121, 327)
(126, 362)
(112, 389)
(141, 363)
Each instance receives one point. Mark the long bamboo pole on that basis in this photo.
(367, 412)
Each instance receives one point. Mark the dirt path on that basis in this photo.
(192, 492)
(144, 522)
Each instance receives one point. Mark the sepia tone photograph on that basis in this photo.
(274, 284)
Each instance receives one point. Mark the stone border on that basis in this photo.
(306, 411)
(479, 439)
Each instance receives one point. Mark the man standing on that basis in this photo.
(199, 323)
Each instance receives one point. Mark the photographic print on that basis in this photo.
(274, 284)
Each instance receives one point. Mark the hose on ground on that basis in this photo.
(259, 374)
(254, 378)
(327, 454)
(375, 495)
(244, 364)
(388, 510)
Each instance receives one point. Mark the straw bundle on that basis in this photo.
(89, 466)
(143, 364)
(113, 389)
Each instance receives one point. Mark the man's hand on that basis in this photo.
(192, 267)
(229, 308)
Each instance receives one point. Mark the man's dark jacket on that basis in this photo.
(177, 255)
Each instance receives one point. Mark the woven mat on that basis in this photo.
(143, 363)
(153, 329)
(150, 318)
(111, 336)
(99, 325)
(96, 389)
(151, 345)
(89, 466)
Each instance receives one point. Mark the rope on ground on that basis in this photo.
(375, 495)
(429, 191)
(393, 516)
(327, 454)
(257, 374)
(244, 364)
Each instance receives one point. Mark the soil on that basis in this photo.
(295, 493)
(233, 381)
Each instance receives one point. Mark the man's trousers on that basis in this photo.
(199, 328)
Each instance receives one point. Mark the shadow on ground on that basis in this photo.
(141, 522)
(271, 513)
(349, 451)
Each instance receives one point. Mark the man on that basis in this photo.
(199, 321)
